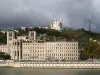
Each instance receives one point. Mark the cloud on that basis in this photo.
(16, 13)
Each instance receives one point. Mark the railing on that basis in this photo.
(60, 64)
(85, 64)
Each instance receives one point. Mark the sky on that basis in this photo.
(75, 13)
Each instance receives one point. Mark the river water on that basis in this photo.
(23, 71)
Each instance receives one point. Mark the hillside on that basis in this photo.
(53, 35)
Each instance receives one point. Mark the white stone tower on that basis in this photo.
(10, 38)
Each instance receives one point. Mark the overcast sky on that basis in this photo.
(17, 13)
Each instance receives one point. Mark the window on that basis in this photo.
(58, 44)
(10, 34)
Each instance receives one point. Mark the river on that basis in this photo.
(23, 71)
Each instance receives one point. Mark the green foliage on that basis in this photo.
(68, 34)
(4, 56)
(3, 38)
(49, 32)
(65, 34)
(91, 50)
(22, 32)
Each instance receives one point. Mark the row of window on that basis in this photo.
(51, 51)
(33, 47)
(3, 50)
(66, 44)
(15, 43)
(61, 51)
(61, 47)
(45, 47)
(34, 55)
(61, 54)
(67, 58)
(58, 55)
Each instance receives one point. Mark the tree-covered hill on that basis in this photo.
(54, 35)
(69, 34)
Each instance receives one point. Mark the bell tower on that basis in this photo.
(10, 36)
(32, 35)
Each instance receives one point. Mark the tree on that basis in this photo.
(4, 56)
(91, 51)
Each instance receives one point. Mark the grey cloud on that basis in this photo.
(16, 13)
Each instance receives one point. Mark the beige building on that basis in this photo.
(4, 48)
(14, 43)
(23, 48)
(15, 49)
(50, 51)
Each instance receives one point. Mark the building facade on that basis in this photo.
(4, 48)
(23, 48)
(50, 51)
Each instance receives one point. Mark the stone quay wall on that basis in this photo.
(51, 64)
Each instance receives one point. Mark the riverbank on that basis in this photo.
(56, 65)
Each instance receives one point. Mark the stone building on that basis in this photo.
(28, 48)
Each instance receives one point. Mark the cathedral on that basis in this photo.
(57, 25)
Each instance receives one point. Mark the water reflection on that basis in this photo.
(21, 71)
